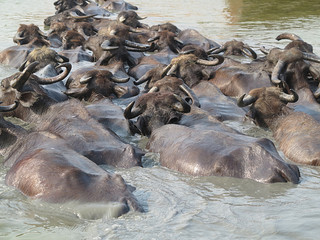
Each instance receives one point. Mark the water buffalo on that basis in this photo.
(237, 48)
(44, 56)
(191, 68)
(9, 132)
(85, 6)
(110, 115)
(216, 103)
(131, 18)
(206, 147)
(116, 5)
(193, 37)
(156, 109)
(294, 71)
(94, 83)
(71, 121)
(25, 87)
(234, 78)
(42, 166)
(295, 132)
(27, 38)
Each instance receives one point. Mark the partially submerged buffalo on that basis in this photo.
(295, 132)
(42, 166)
(219, 151)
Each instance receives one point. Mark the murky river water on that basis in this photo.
(179, 206)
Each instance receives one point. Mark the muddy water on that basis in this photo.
(179, 206)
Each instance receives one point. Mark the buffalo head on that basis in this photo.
(190, 68)
(236, 48)
(156, 109)
(267, 104)
(96, 83)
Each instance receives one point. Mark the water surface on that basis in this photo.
(179, 206)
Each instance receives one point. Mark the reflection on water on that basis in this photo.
(179, 206)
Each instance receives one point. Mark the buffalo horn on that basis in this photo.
(178, 40)
(85, 79)
(61, 58)
(18, 37)
(106, 46)
(314, 73)
(136, 45)
(245, 100)
(74, 15)
(153, 39)
(120, 80)
(165, 70)
(248, 51)
(219, 59)
(216, 51)
(289, 36)
(172, 69)
(264, 50)
(276, 72)
(316, 94)
(61, 76)
(195, 101)
(181, 105)
(153, 89)
(132, 112)
(18, 82)
(289, 97)
(186, 52)
(310, 57)
(9, 108)
(142, 79)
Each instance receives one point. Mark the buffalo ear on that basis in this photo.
(27, 99)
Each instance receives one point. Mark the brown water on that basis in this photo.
(180, 206)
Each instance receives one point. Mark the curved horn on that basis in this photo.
(289, 36)
(9, 108)
(187, 52)
(61, 76)
(172, 69)
(18, 82)
(140, 18)
(181, 105)
(132, 112)
(107, 47)
(61, 58)
(316, 94)
(137, 45)
(142, 79)
(252, 54)
(212, 49)
(74, 15)
(245, 100)
(178, 40)
(264, 50)
(165, 70)
(310, 57)
(85, 79)
(314, 73)
(17, 37)
(289, 97)
(119, 80)
(219, 59)
(153, 39)
(153, 89)
(195, 101)
(276, 72)
(216, 51)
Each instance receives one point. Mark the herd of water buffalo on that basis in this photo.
(99, 75)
